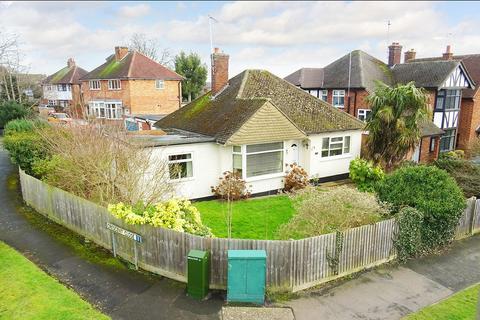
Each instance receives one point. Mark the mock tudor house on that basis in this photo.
(347, 82)
(130, 86)
(62, 89)
(253, 124)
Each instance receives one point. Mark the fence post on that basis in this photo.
(473, 216)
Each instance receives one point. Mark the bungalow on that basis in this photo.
(347, 82)
(254, 124)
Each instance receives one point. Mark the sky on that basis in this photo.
(277, 36)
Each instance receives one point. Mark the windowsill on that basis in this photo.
(181, 180)
(265, 177)
(340, 107)
(94, 89)
(343, 156)
(114, 89)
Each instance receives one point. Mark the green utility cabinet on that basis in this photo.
(246, 276)
(198, 273)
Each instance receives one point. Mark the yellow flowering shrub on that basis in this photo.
(176, 214)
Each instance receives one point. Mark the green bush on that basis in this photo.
(177, 214)
(465, 173)
(431, 191)
(11, 110)
(23, 125)
(408, 240)
(25, 149)
(365, 174)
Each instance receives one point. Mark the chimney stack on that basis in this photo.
(120, 53)
(410, 55)
(394, 54)
(448, 55)
(70, 63)
(219, 71)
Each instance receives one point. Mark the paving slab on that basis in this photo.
(256, 313)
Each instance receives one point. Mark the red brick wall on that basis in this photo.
(468, 122)
(425, 155)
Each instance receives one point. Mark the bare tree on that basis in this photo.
(151, 48)
(105, 165)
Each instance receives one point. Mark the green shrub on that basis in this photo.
(11, 110)
(23, 125)
(408, 240)
(431, 191)
(465, 173)
(25, 149)
(365, 174)
(321, 211)
(177, 214)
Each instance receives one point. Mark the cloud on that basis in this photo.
(135, 11)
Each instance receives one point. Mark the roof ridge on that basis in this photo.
(242, 85)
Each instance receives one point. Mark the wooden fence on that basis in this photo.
(291, 265)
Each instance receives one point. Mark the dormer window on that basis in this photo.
(114, 84)
(94, 84)
(160, 84)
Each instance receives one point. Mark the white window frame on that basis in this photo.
(343, 148)
(243, 152)
(110, 110)
(169, 162)
(159, 84)
(94, 85)
(323, 94)
(114, 84)
(338, 94)
(51, 103)
(362, 114)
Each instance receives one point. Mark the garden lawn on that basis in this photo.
(256, 218)
(26, 292)
(461, 305)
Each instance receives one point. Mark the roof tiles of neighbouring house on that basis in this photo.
(244, 95)
(307, 78)
(67, 75)
(471, 63)
(133, 66)
(426, 74)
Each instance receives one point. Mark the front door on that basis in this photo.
(293, 153)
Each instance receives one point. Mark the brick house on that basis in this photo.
(346, 82)
(469, 127)
(62, 89)
(128, 85)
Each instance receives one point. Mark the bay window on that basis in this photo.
(338, 98)
(335, 146)
(258, 159)
(180, 166)
(107, 110)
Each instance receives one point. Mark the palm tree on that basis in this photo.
(393, 126)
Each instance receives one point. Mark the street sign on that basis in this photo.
(131, 235)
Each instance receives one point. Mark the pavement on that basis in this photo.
(392, 292)
(384, 293)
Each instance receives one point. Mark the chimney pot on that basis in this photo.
(120, 53)
(219, 71)
(410, 55)
(448, 55)
(394, 54)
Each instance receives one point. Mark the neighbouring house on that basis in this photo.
(469, 121)
(347, 82)
(254, 124)
(131, 85)
(62, 89)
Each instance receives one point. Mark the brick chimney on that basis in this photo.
(219, 71)
(70, 63)
(120, 53)
(410, 55)
(448, 55)
(394, 53)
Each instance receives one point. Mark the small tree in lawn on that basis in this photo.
(231, 187)
(393, 127)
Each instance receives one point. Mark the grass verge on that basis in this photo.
(462, 305)
(29, 293)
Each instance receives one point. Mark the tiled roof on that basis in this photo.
(307, 78)
(245, 94)
(133, 66)
(428, 128)
(365, 70)
(67, 75)
(471, 63)
(426, 74)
